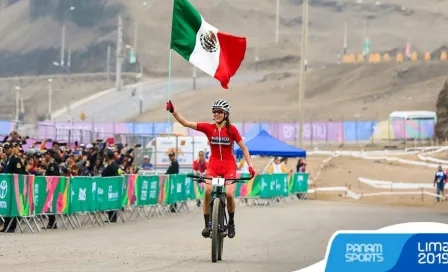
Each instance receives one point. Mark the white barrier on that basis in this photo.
(381, 184)
(388, 156)
(357, 196)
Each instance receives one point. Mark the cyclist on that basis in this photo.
(440, 179)
(221, 136)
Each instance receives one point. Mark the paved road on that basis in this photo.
(118, 106)
(284, 237)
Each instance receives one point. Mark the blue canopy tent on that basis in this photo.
(265, 145)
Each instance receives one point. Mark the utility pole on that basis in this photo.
(302, 68)
(194, 77)
(108, 63)
(137, 60)
(345, 38)
(257, 58)
(50, 94)
(277, 21)
(69, 57)
(119, 57)
(62, 44)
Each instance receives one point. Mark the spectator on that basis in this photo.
(147, 165)
(13, 165)
(173, 169)
(440, 180)
(284, 167)
(200, 167)
(301, 166)
(275, 167)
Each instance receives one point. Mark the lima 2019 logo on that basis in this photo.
(3, 193)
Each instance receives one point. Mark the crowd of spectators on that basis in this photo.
(79, 160)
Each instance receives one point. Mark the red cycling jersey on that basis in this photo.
(222, 161)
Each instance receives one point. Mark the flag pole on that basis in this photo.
(169, 90)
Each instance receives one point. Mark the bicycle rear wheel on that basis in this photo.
(215, 229)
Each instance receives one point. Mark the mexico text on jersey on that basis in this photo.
(221, 142)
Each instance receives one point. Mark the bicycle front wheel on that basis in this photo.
(215, 229)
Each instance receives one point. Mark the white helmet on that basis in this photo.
(221, 104)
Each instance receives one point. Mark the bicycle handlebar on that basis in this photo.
(201, 179)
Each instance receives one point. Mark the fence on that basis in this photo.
(29, 198)
(335, 132)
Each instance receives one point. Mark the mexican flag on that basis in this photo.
(203, 45)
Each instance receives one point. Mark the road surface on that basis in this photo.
(118, 106)
(278, 238)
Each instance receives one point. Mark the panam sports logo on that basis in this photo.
(417, 246)
(364, 253)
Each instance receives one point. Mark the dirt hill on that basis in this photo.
(338, 92)
(31, 42)
(442, 113)
(31, 30)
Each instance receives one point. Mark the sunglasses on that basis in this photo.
(218, 112)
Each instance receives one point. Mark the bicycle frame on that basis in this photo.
(218, 217)
(218, 191)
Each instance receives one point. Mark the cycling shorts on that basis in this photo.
(222, 169)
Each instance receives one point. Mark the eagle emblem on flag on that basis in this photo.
(209, 41)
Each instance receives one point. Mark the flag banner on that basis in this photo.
(129, 196)
(23, 195)
(51, 194)
(216, 53)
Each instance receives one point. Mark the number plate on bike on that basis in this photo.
(218, 181)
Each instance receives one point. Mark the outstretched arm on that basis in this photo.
(184, 122)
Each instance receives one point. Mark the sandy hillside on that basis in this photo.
(389, 26)
(337, 92)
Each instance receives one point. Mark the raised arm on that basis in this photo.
(179, 118)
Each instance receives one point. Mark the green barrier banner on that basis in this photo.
(299, 183)
(176, 188)
(109, 193)
(82, 194)
(51, 194)
(267, 186)
(147, 191)
(22, 195)
(189, 189)
(274, 185)
(129, 196)
(5, 194)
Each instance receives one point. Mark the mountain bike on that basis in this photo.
(218, 212)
